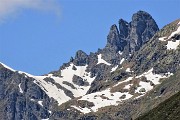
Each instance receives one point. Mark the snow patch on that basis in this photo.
(128, 70)
(162, 38)
(40, 103)
(145, 85)
(127, 86)
(83, 110)
(114, 68)
(128, 79)
(100, 60)
(122, 60)
(120, 52)
(20, 89)
(154, 77)
(175, 32)
(32, 100)
(173, 45)
(105, 98)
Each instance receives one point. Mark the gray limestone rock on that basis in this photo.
(16, 105)
(79, 81)
(123, 28)
(142, 28)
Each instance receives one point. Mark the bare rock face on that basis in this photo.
(113, 39)
(142, 28)
(123, 28)
(136, 33)
(129, 37)
(114, 44)
(19, 104)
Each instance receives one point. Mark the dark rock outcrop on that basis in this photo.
(16, 104)
(123, 28)
(129, 37)
(79, 81)
(114, 42)
(142, 28)
(135, 34)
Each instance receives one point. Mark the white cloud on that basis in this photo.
(11, 7)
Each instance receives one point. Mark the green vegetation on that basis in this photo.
(167, 110)
(166, 30)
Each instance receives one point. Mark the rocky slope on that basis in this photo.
(137, 69)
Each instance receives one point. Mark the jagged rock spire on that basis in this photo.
(113, 39)
(113, 36)
(135, 34)
(142, 28)
(123, 28)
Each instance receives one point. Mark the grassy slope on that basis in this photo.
(167, 110)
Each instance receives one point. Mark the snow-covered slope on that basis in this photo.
(51, 87)
(114, 97)
(67, 75)
(100, 99)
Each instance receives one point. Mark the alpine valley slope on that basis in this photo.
(137, 69)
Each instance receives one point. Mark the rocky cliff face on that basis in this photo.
(21, 98)
(131, 35)
(142, 28)
(137, 63)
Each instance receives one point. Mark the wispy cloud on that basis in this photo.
(12, 7)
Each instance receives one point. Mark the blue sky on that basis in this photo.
(38, 37)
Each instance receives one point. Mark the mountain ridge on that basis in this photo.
(136, 60)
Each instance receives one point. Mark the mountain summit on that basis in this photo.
(136, 71)
(129, 37)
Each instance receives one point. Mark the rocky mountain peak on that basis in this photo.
(129, 37)
(142, 28)
(80, 54)
(141, 15)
